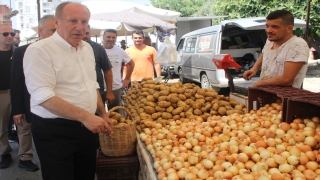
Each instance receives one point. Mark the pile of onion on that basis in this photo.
(256, 145)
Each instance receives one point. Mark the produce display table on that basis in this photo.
(147, 171)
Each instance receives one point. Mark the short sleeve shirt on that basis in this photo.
(294, 50)
(102, 62)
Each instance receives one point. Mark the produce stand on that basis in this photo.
(147, 171)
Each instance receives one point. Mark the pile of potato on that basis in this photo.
(117, 119)
(162, 103)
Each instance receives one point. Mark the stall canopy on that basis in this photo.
(100, 6)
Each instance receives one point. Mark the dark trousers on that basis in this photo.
(66, 149)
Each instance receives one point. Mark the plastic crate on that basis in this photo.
(305, 107)
(260, 96)
(117, 168)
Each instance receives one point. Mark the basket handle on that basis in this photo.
(122, 108)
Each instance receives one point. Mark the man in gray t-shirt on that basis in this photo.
(284, 57)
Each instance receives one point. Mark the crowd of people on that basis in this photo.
(57, 87)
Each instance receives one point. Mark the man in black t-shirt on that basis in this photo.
(103, 64)
(6, 39)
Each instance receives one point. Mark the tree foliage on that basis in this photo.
(255, 8)
(186, 7)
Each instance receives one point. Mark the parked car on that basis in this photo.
(242, 38)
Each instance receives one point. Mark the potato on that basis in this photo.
(162, 98)
(205, 116)
(222, 110)
(229, 112)
(160, 109)
(133, 96)
(189, 101)
(144, 115)
(117, 116)
(176, 117)
(144, 94)
(211, 94)
(169, 109)
(152, 104)
(149, 81)
(150, 109)
(213, 112)
(173, 98)
(141, 105)
(208, 99)
(145, 90)
(122, 120)
(156, 95)
(166, 115)
(208, 105)
(204, 109)
(141, 110)
(197, 112)
(191, 91)
(139, 129)
(201, 91)
(215, 106)
(146, 78)
(114, 121)
(151, 98)
(156, 115)
(197, 105)
(188, 95)
(189, 114)
(148, 123)
(164, 93)
(202, 101)
(224, 103)
(164, 104)
(181, 90)
(182, 115)
(173, 89)
(182, 97)
(177, 111)
(233, 103)
(174, 105)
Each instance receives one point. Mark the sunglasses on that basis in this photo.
(5, 34)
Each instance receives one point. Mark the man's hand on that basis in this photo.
(125, 83)
(106, 119)
(110, 97)
(97, 124)
(247, 75)
(19, 118)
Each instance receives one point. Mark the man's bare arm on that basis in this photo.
(127, 79)
(158, 69)
(291, 69)
(108, 77)
(247, 75)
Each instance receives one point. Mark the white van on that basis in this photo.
(242, 38)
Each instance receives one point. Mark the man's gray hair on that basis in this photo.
(60, 7)
(44, 19)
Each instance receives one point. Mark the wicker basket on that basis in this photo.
(123, 140)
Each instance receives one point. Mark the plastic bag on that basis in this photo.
(167, 53)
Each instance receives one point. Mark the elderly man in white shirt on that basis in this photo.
(61, 79)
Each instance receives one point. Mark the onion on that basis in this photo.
(203, 174)
(311, 141)
(285, 168)
(271, 163)
(207, 164)
(293, 160)
(192, 160)
(181, 134)
(309, 174)
(190, 176)
(242, 157)
(299, 136)
(233, 169)
(312, 165)
(277, 176)
(311, 155)
(284, 126)
(279, 159)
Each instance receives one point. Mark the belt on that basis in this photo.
(4, 91)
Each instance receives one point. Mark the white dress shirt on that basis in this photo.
(52, 67)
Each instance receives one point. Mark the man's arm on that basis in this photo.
(158, 69)
(102, 112)
(291, 69)
(127, 79)
(247, 75)
(17, 85)
(108, 77)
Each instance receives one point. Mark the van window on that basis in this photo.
(205, 43)
(190, 45)
(180, 45)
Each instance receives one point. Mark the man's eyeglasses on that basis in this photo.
(5, 34)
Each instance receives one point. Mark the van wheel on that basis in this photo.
(182, 79)
(205, 83)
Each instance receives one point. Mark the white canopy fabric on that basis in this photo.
(100, 6)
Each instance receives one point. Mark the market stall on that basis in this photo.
(185, 132)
